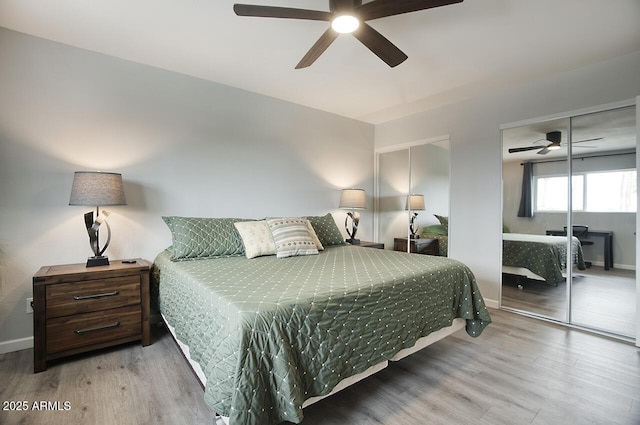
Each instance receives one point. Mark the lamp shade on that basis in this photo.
(353, 199)
(415, 203)
(96, 188)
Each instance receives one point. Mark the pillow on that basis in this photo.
(435, 229)
(326, 229)
(204, 237)
(256, 238)
(314, 236)
(291, 236)
(444, 221)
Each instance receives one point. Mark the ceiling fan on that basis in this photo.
(553, 138)
(348, 17)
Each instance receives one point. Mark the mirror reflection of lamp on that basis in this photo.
(414, 203)
(98, 189)
(353, 199)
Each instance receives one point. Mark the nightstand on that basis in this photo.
(418, 246)
(367, 244)
(78, 308)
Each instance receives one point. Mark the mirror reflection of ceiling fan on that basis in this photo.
(348, 17)
(551, 143)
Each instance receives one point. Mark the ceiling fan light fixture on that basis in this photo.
(347, 17)
(345, 24)
(554, 146)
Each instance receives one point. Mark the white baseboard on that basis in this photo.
(491, 303)
(16, 345)
(615, 265)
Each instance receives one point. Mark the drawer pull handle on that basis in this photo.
(99, 328)
(88, 297)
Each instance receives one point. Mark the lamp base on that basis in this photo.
(353, 241)
(97, 261)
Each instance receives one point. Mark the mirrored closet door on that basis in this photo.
(412, 186)
(532, 272)
(603, 217)
(392, 188)
(569, 213)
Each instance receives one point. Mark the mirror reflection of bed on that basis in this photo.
(602, 266)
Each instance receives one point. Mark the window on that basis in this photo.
(612, 191)
(606, 191)
(552, 193)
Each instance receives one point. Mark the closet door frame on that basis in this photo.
(570, 115)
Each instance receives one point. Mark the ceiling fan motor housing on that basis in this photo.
(554, 137)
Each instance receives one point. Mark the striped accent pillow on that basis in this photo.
(291, 236)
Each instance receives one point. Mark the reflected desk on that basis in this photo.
(607, 235)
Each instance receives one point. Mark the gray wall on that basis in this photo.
(476, 157)
(184, 147)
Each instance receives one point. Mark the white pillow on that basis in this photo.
(256, 238)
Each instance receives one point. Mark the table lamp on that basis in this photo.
(414, 203)
(353, 199)
(95, 188)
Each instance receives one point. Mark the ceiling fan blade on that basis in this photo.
(528, 148)
(318, 48)
(280, 12)
(544, 151)
(382, 8)
(379, 45)
(587, 140)
(337, 5)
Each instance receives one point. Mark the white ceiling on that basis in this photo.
(455, 52)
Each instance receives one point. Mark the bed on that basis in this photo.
(270, 335)
(536, 257)
(539, 257)
(439, 232)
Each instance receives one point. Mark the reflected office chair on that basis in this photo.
(582, 233)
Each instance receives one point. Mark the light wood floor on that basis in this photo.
(602, 299)
(519, 371)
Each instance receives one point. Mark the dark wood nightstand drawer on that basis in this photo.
(417, 246)
(64, 299)
(78, 308)
(65, 333)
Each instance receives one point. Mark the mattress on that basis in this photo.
(270, 334)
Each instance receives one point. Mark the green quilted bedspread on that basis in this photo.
(270, 333)
(443, 243)
(546, 256)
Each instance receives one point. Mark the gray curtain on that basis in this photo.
(526, 201)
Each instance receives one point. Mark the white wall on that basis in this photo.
(476, 158)
(184, 147)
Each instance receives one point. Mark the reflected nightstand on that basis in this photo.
(418, 246)
(367, 244)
